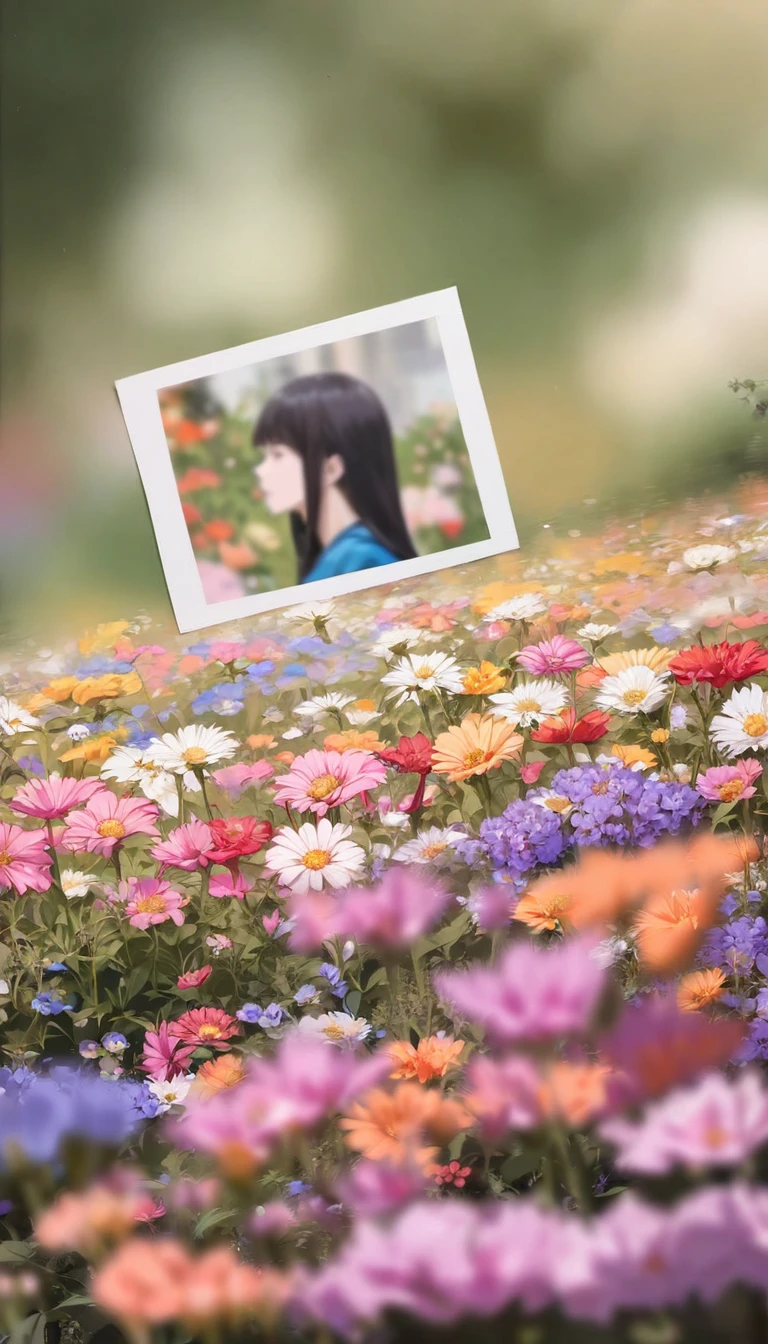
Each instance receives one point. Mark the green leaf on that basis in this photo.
(721, 812)
(29, 1331)
(212, 1218)
(524, 1164)
(353, 1001)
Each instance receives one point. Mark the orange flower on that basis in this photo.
(218, 1074)
(103, 637)
(60, 689)
(484, 680)
(218, 529)
(633, 755)
(590, 676)
(575, 1093)
(699, 989)
(366, 706)
(197, 478)
(237, 555)
(257, 740)
(89, 1219)
(352, 740)
(431, 1058)
(672, 924)
(108, 687)
(285, 757)
(546, 904)
(393, 1126)
(95, 750)
(657, 658)
(478, 744)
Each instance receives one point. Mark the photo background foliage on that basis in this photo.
(240, 546)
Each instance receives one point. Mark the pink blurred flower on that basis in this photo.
(503, 1095)
(187, 847)
(554, 656)
(323, 779)
(53, 797)
(229, 884)
(492, 907)
(164, 1054)
(220, 584)
(149, 900)
(194, 979)
(531, 993)
(235, 779)
(729, 783)
(376, 1188)
(389, 917)
(530, 773)
(716, 1122)
(24, 860)
(225, 651)
(219, 942)
(106, 821)
(312, 915)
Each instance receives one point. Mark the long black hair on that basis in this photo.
(326, 413)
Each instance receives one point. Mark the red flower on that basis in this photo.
(234, 837)
(205, 1026)
(719, 663)
(193, 979)
(565, 727)
(453, 1174)
(411, 756)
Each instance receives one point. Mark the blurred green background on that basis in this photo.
(180, 176)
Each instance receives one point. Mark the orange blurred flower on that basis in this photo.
(484, 680)
(107, 687)
(217, 1075)
(90, 1219)
(237, 555)
(699, 989)
(59, 689)
(575, 1093)
(285, 757)
(478, 744)
(95, 750)
(197, 478)
(102, 638)
(546, 904)
(257, 740)
(352, 740)
(672, 924)
(430, 1059)
(218, 529)
(393, 1126)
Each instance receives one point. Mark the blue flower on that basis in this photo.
(250, 1012)
(296, 1188)
(49, 1006)
(306, 994)
(114, 1042)
(89, 1049)
(272, 1016)
(55, 968)
(332, 974)
(32, 765)
(42, 1110)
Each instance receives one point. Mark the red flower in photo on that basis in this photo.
(233, 838)
(719, 664)
(411, 756)
(565, 727)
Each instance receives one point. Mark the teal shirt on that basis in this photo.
(353, 549)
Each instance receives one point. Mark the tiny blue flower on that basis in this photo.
(250, 1012)
(272, 1016)
(114, 1042)
(48, 1006)
(55, 968)
(89, 1049)
(297, 1188)
(306, 994)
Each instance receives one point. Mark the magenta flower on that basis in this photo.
(235, 779)
(229, 884)
(151, 901)
(553, 657)
(730, 783)
(106, 821)
(716, 1122)
(531, 994)
(323, 779)
(504, 1095)
(187, 847)
(24, 860)
(165, 1055)
(53, 797)
(389, 917)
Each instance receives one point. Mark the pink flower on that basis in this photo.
(152, 901)
(716, 1122)
(106, 821)
(553, 657)
(225, 651)
(730, 783)
(53, 797)
(187, 847)
(323, 779)
(24, 861)
(229, 884)
(504, 1095)
(531, 993)
(376, 1188)
(530, 773)
(389, 917)
(194, 979)
(206, 1026)
(164, 1054)
(235, 779)
(271, 922)
(313, 915)
(219, 942)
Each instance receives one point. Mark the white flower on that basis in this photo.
(75, 883)
(678, 716)
(529, 702)
(522, 608)
(348, 950)
(553, 802)
(743, 724)
(171, 1091)
(707, 557)
(77, 732)
(4, 987)
(315, 856)
(322, 704)
(194, 747)
(633, 690)
(594, 630)
(290, 733)
(14, 719)
(361, 712)
(134, 765)
(314, 614)
(430, 846)
(400, 637)
(423, 672)
(337, 1028)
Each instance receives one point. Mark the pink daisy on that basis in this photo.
(165, 1055)
(235, 779)
(229, 884)
(187, 847)
(194, 979)
(323, 779)
(553, 657)
(206, 1026)
(150, 901)
(106, 821)
(24, 861)
(54, 797)
(730, 783)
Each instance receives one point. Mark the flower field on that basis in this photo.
(397, 968)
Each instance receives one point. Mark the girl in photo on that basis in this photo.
(329, 461)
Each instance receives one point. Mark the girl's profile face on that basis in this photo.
(281, 477)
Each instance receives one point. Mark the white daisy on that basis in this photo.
(313, 614)
(553, 802)
(315, 856)
(423, 672)
(134, 765)
(594, 631)
(743, 724)
(171, 1091)
(337, 1028)
(194, 747)
(75, 883)
(708, 557)
(14, 719)
(361, 712)
(430, 846)
(400, 637)
(322, 704)
(529, 702)
(632, 690)
(522, 608)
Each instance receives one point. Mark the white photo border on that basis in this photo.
(141, 411)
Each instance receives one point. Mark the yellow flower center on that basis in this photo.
(633, 696)
(729, 792)
(558, 804)
(195, 755)
(600, 788)
(316, 859)
(755, 725)
(475, 756)
(4, 858)
(437, 847)
(150, 905)
(424, 672)
(209, 1031)
(333, 1032)
(323, 786)
(367, 705)
(528, 706)
(112, 828)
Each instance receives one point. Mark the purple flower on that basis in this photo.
(48, 1005)
(531, 994)
(523, 838)
(306, 994)
(613, 805)
(332, 974)
(42, 1110)
(250, 1012)
(737, 945)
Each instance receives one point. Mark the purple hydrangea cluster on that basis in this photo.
(524, 837)
(613, 805)
(738, 946)
(39, 1111)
